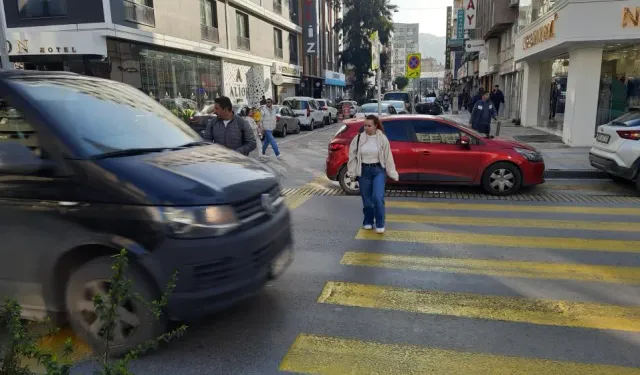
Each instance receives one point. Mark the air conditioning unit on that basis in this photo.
(514, 3)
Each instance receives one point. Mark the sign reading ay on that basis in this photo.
(470, 14)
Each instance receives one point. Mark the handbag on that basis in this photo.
(357, 148)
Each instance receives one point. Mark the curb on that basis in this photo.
(575, 174)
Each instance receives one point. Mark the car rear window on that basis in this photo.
(396, 96)
(629, 119)
(296, 104)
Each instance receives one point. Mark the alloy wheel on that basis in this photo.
(501, 180)
(351, 184)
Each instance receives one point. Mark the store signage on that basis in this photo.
(460, 24)
(630, 17)
(289, 71)
(238, 89)
(55, 43)
(310, 27)
(474, 45)
(541, 34)
(22, 48)
(469, 7)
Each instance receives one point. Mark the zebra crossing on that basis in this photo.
(516, 243)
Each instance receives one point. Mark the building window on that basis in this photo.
(42, 8)
(242, 24)
(277, 6)
(140, 11)
(293, 49)
(209, 21)
(277, 43)
(293, 12)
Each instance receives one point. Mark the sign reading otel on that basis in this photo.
(310, 28)
(23, 48)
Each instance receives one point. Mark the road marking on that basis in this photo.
(512, 208)
(500, 268)
(513, 222)
(558, 243)
(295, 201)
(481, 306)
(314, 354)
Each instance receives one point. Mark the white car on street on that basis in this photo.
(372, 109)
(616, 149)
(329, 109)
(306, 110)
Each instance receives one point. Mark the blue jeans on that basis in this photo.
(372, 183)
(269, 139)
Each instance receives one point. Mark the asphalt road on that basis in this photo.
(456, 286)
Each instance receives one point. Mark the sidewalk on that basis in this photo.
(561, 160)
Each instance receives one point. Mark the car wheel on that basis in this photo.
(298, 128)
(329, 120)
(134, 324)
(501, 179)
(312, 125)
(349, 187)
(284, 131)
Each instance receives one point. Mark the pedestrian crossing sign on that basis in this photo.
(413, 65)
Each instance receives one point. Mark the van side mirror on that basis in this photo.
(465, 141)
(16, 158)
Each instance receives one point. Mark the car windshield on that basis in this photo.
(296, 104)
(403, 96)
(103, 116)
(372, 108)
(629, 119)
(396, 104)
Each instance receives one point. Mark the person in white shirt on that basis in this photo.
(371, 161)
(268, 124)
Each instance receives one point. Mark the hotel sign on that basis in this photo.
(630, 17)
(541, 34)
(56, 43)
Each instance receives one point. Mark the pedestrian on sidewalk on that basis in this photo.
(268, 125)
(371, 161)
(497, 97)
(476, 98)
(251, 120)
(229, 130)
(481, 115)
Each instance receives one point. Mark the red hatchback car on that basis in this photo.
(433, 150)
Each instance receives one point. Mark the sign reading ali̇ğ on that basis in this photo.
(541, 34)
(630, 16)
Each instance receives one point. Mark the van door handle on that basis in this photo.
(67, 204)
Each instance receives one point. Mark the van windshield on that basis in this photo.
(103, 116)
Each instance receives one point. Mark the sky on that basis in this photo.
(430, 14)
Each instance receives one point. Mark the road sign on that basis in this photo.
(413, 65)
(375, 51)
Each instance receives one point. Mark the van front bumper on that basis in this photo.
(216, 273)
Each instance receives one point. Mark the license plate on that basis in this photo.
(603, 138)
(281, 263)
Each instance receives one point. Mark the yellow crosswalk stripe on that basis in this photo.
(512, 208)
(295, 201)
(314, 354)
(480, 306)
(612, 226)
(559, 243)
(500, 268)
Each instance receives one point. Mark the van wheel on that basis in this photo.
(349, 187)
(501, 179)
(134, 323)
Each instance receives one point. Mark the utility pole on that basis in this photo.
(4, 53)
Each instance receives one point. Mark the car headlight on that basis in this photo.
(199, 222)
(529, 154)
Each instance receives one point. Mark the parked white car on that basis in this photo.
(330, 110)
(307, 110)
(616, 149)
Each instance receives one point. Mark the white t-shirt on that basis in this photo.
(369, 150)
(226, 122)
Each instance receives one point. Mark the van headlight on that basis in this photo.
(199, 222)
(529, 154)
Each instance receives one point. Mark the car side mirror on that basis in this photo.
(16, 158)
(465, 141)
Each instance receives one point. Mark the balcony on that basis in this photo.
(209, 33)
(139, 13)
(243, 43)
(277, 6)
(496, 18)
(279, 53)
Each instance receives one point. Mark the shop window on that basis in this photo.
(277, 43)
(242, 25)
(42, 8)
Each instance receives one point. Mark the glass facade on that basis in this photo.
(553, 93)
(166, 75)
(532, 10)
(619, 82)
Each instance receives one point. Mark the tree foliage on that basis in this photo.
(362, 18)
(401, 82)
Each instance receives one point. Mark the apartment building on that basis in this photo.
(405, 41)
(191, 49)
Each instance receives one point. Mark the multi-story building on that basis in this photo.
(581, 64)
(497, 25)
(196, 49)
(405, 40)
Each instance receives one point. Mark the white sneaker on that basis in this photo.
(279, 157)
(379, 230)
(368, 227)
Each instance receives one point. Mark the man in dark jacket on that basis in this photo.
(229, 130)
(481, 115)
(476, 98)
(497, 97)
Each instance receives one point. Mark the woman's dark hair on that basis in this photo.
(376, 122)
(224, 103)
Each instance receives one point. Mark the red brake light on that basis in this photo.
(633, 135)
(277, 118)
(335, 146)
(325, 108)
(308, 112)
